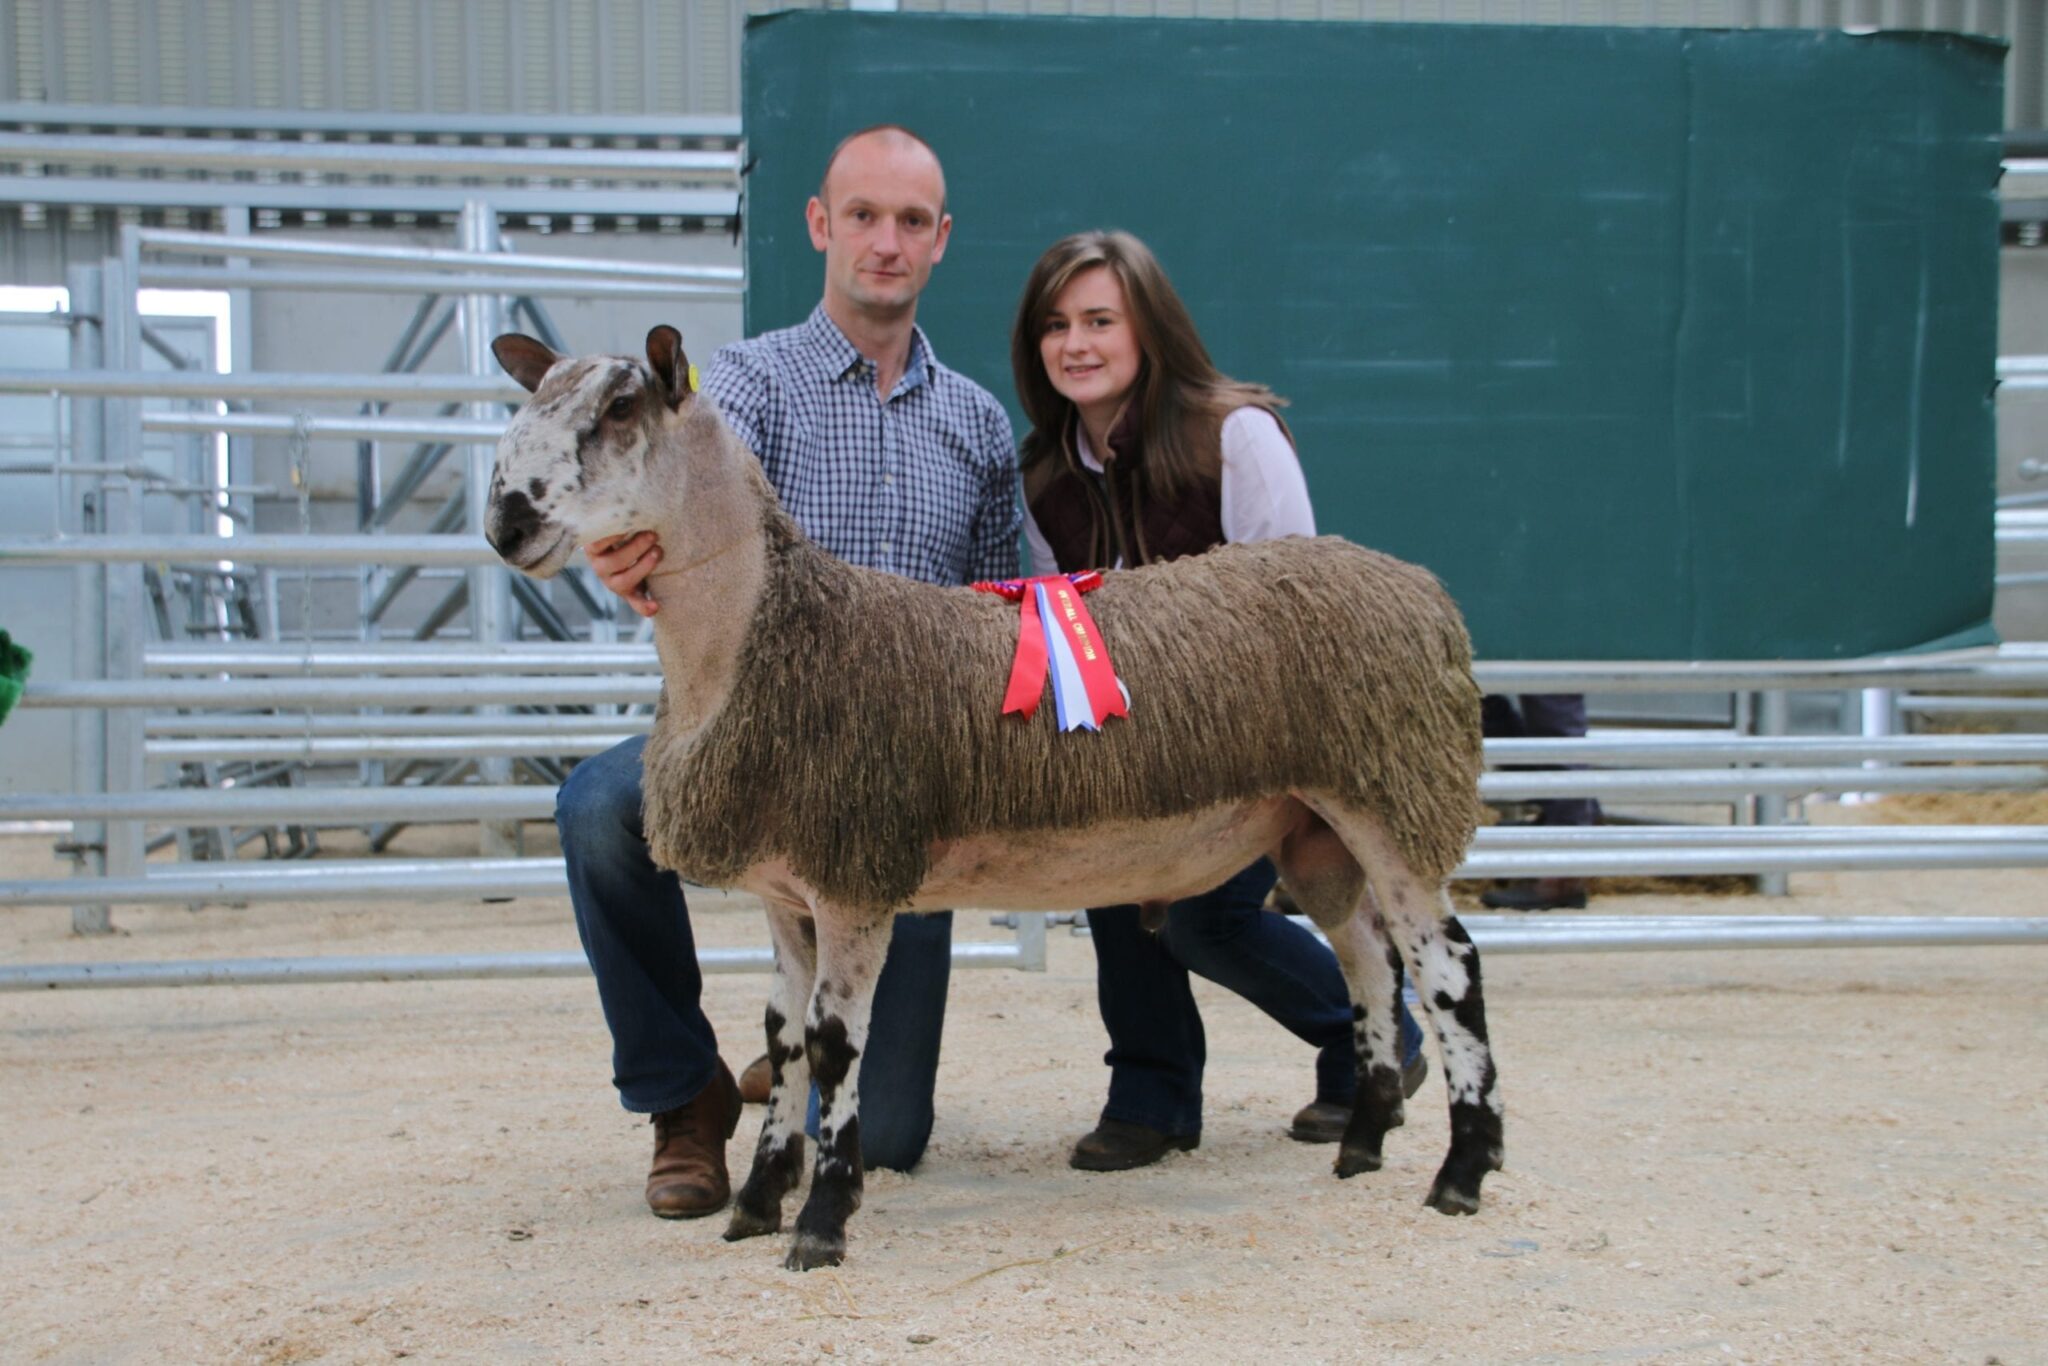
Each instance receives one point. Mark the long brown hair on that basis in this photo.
(1181, 399)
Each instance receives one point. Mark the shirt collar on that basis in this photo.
(842, 358)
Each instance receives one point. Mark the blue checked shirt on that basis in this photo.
(923, 484)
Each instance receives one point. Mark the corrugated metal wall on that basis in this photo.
(682, 56)
(662, 57)
(450, 56)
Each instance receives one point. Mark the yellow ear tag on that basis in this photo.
(694, 388)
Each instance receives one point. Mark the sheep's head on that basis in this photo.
(572, 465)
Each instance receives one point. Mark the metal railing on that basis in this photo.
(215, 710)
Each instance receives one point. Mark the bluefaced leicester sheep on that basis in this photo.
(829, 738)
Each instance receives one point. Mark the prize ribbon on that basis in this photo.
(1057, 637)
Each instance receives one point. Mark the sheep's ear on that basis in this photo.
(525, 359)
(671, 366)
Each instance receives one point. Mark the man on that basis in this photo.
(887, 459)
(1541, 716)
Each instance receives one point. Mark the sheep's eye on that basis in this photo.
(621, 409)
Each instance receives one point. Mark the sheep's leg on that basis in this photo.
(1328, 883)
(779, 1155)
(1446, 967)
(850, 952)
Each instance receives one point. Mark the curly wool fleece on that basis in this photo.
(864, 723)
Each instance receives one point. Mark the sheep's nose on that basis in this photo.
(512, 521)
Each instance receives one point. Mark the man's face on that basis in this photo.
(880, 226)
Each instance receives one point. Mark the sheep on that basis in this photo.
(829, 739)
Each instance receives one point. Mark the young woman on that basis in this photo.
(1141, 450)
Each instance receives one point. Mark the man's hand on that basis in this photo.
(624, 562)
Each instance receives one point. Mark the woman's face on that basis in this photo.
(1089, 347)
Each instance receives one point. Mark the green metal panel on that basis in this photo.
(1653, 343)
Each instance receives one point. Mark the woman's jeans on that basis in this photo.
(1156, 1045)
(636, 933)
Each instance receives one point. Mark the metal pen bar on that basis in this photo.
(437, 724)
(271, 385)
(1517, 837)
(231, 745)
(1757, 858)
(288, 806)
(1997, 706)
(344, 694)
(1723, 784)
(1624, 749)
(456, 550)
(415, 968)
(1557, 934)
(1491, 934)
(512, 124)
(374, 657)
(351, 749)
(515, 802)
(336, 428)
(414, 282)
(1961, 669)
(438, 258)
(360, 880)
(236, 155)
(214, 194)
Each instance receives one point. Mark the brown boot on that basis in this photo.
(688, 1179)
(1538, 894)
(757, 1081)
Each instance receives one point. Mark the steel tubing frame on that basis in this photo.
(341, 694)
(1492, 935)
(423, 282)
(268, 385)
(466, 879)
(371, 158)
(448, 551)
(456, 431)
(214, 196)
(418, 968)
(348, 805)
(292, 742)
(360, 122)
(171, 241)
(234, 724)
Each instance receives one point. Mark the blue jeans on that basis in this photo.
(636, 932)
(1156, 1045)
(1546, 716)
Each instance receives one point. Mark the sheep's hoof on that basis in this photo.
(1351, 1161)
(1446, 1198)
(745, 1223)
(809, 1252)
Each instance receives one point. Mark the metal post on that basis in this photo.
(126, 609)
(490, 592)
(80, 501)
(1773, 717)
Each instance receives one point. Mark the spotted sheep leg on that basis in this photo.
(1446, 966)
(1329, 884)
(1414, 924)
(779, 1155)
(851, 948)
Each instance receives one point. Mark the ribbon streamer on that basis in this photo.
(1057, 636)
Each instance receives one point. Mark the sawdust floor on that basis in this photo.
(1799, 1156)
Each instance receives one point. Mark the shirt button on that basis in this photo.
(888, 479)
(883, 546)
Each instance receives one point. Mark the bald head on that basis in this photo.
(891, 150)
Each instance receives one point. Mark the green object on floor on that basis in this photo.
(14, 662)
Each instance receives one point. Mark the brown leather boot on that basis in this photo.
(757, 1081)
(688, 1179)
